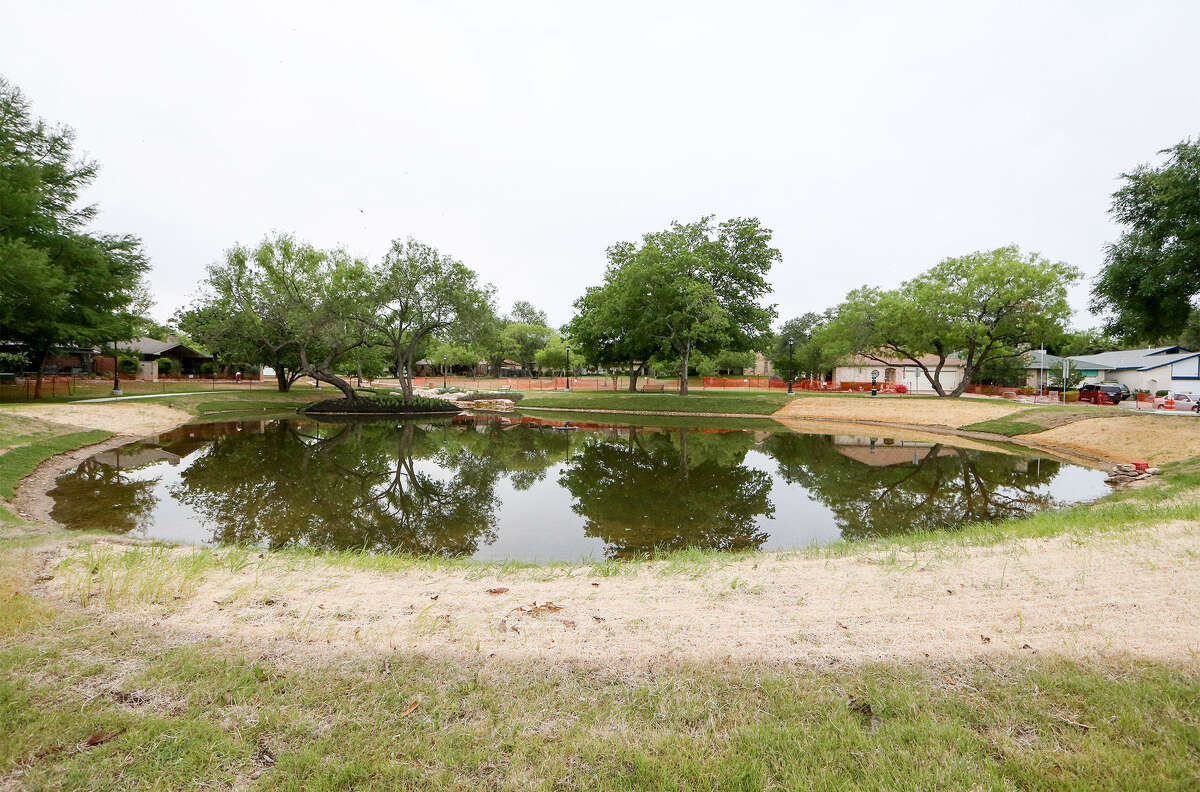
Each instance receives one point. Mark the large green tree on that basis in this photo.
(419, 293)
(1152, 273)
(695, 287)
(60, 283)
(801, 347)
(977, 308)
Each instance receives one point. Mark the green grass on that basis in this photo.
(1005, 427)
(764, 423)
(1039, 419)
(17, 463)
(745, 403)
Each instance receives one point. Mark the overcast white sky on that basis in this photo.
(523, 138)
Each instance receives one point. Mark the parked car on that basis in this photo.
(1177, 401)
(1104, 393)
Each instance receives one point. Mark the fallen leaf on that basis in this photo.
(844, 627)
(409, 709)
(100, 737)
(433, 596)
(537, 610)
(500, 590)
(596, 584)
(949, 591)
(598, 618)
(568, 623)
(43, 578)
(985, 639)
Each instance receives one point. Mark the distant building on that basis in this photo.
(1152, 369)
(149, 351)
(763, 367)
(900, 372)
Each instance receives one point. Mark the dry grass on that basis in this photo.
(891, 433)
(1148, 438)
(899, 409)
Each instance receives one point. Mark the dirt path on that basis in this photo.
(1110, 595)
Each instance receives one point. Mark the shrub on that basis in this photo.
(128, 365)
(901, 388)
(166, 365)
(382, 404)
(1160, 393)
(487, 395)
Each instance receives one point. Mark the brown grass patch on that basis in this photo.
(899, 409)
(127, 418)
(1144, 438)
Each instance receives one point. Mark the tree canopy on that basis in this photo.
(977, 308)
(61, 283)
(1152, 272)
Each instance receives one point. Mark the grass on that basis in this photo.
(208, 714)
(17, 463)
(744, 403)
(1039, 419)
(764, 423)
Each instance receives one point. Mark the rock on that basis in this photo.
(1154, 471)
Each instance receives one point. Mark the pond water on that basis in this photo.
(501, 488)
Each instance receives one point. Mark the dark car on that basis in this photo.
(1104, 393)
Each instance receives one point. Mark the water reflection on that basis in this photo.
(484, 486)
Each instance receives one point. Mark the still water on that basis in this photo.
(500, 488)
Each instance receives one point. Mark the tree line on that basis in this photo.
(689, 298)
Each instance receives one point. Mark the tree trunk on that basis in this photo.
(633, 376)
(683, 372)
(39, 363)
(282, 383)
(358, 369)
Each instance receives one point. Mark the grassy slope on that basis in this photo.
(1039, 419)
(749, 403)
(26, 443)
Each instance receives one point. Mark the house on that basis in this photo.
(899, 372)
(1041, 367)
(1151, 369)
(763, 367)
(149, 351)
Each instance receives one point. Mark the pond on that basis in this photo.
(522, 488)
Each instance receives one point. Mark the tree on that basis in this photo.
(419, 293)
(809, 350)
(698, 286)
(521, 342)
(553, 356)
(1152, 272)
(610, 328)
(234, 337)
(1082, 342)
(733, 361)
(524, 312)
(979, 307)
(1071, 381)
(60, 284)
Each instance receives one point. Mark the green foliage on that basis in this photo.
(809, 352)
(60, 283)
(1071, 380)
(719, 402)
(1007, 370)
(521, 342)
(17, 463)
(1152, 273)
(692, 287)
(13, 361)
(553, 356)
(1082, 342)
(732, 361)
(1161, 392)
(165, 365)
(977, 308)
(127, 365)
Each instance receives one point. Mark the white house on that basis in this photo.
(1153, 369)
(900, 372)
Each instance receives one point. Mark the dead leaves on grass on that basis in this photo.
(537, 610)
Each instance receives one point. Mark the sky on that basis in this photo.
(874, 138)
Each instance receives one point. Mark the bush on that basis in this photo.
(1160, 393)
(128, 366)
(382, 404)
(487, 395)
(207, 367)
(901, 388)
(166, 366)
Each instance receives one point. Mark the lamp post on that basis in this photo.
(791, 363)
(116, 391)
(568, 367)
(874, 377)
(443, 372)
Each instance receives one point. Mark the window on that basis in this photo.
(889, 375)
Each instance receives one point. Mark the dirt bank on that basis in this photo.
(899, 409)
(124, 418)
(1111, 595)
(1147, 438)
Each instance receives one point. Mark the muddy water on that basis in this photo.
(524, 489)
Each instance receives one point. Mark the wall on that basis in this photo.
(910, 376)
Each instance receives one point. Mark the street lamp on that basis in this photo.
(116, 391)
(568, 367)
(443, 372)
(791, 363)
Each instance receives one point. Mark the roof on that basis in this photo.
(928, 360)
(152, 346)
(1037, 359)
(1134, 359)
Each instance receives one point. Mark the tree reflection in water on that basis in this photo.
(871, 492)
(433, 486)
(661, 490)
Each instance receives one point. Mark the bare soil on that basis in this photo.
(1127, 594)
(1143, 438)
(900, 409)
(125, 418)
